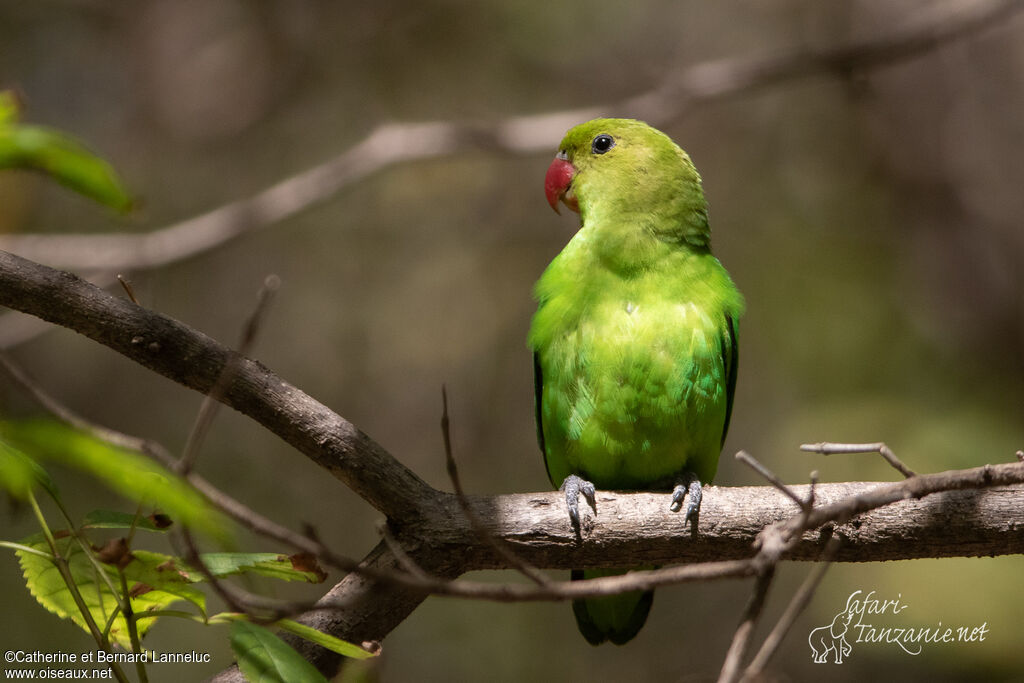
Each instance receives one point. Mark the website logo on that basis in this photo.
(867, 618)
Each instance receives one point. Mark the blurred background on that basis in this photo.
(872, 219)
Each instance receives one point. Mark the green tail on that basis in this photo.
(617, 618)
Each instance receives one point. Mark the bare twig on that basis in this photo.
(66, 415)
(513, 560)
(127, 289)
(741, 638)
(772, 542)
(211, 402)
(238, 511)
(401, 556)
(749, 460)
(260, 609)
(796, 605)
(809, 503)
(829, 448)
(191, 555)
(562, 591)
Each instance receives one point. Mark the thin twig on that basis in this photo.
(194, 560)
(193, 359)
(513, 560)
(561, 591)
(30, 386)
(133, 629)
(402, 557)
(798, 603)
(64, 569)
(238, 511)
(741, 639)
(128, 289)
(748, 459)
(829, 448)
(239, 600)
(211, 402)
(809, 503)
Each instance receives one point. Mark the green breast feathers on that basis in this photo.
(634, 371)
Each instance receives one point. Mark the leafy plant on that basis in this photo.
(109, 587)
(116, 591)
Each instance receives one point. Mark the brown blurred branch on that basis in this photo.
(396, 143)
(974, 514)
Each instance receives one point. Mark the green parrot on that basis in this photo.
(634, 337)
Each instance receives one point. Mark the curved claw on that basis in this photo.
(695, 490)
(573, 487)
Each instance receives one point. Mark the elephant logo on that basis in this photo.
(831, 638)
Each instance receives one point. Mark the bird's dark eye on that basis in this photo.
(602, 143)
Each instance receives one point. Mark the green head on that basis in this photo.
(622, 172)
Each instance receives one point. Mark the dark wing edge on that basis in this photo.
(538, 393)
(731, 359)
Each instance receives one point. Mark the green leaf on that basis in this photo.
(9, 107)
(342, 647)
(129, 473)
(60, 156)
(161, 573)
(273, 565)
(20, 473)
(265, 658)
(114, 519)
(152, 581)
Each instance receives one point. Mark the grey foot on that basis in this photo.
(690, 486)
(573, 487)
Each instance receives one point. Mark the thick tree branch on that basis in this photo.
(372, 611)
(634, 527)
(957, 513)
(188, 357)
(637, 528)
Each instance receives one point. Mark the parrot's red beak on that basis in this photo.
(557, 182)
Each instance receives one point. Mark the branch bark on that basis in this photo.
(196, 361)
